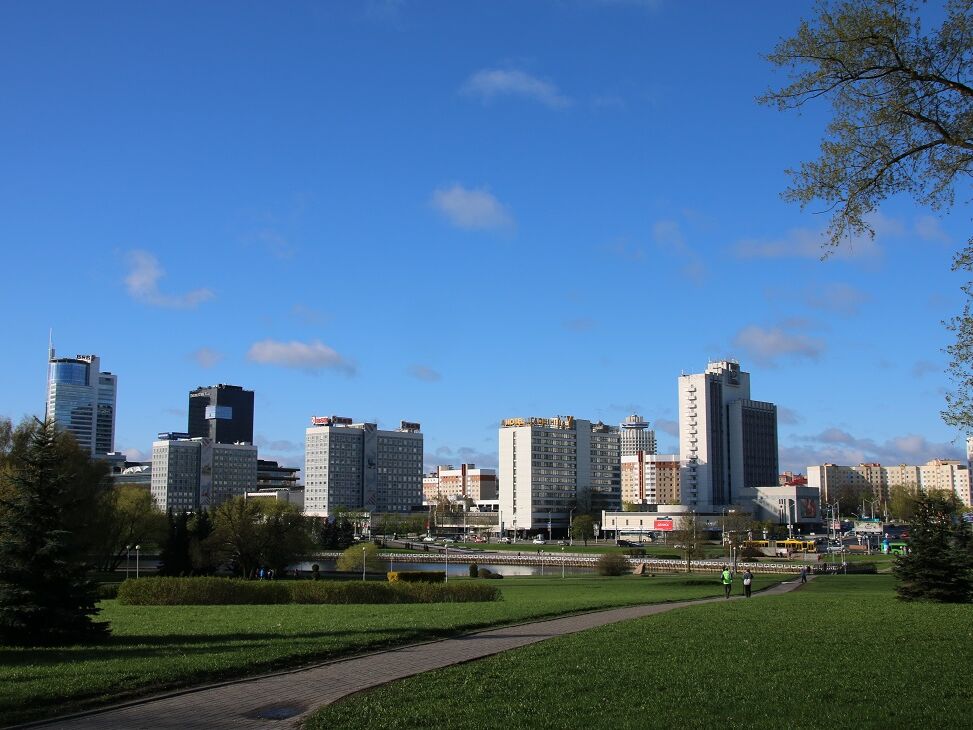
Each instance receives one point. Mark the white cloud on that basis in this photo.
(837, 446)
(206, 357)
(924, 366)
(424, 372)
(490, 83)
(836, 297)
(787, 415)
(928, 229)
(312, 356)
(461, 455)
(813, 244)
(667, 425)
(134, 454)
(579, 324)
(142, 283)
(471, 209)
(767, 344)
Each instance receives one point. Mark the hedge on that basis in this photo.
(417, 576)
(200, 591)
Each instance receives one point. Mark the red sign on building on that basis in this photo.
(664, 525)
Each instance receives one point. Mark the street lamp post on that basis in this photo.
(562, 562)
(128, 559)
(137, 561)
(570, 531)
(363, 564)
(446, 549)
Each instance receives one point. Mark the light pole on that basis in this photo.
(570, 531)
(137, 561)
(562, 562)
(548, 525)
(128, 559)
(363, 564)
(446, 549)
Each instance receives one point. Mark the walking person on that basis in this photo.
(803, 574)
(747, 582)
(727, 578)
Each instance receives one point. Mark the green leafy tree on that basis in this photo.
(286, 535)
(46, 594)
(688, 538)
(583, 528)
(850, 497)
(132, 518)
(902, 501)
(939, 565)
(237, 534)
(902, 123)
(351, 559)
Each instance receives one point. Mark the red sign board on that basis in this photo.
(320, 421)
(664, 525)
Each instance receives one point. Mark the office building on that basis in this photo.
(271, 475)
(636, 436)
(81, 400)
(650, 479)
(550, 467)
(189, 474)
(465, 482)
(221, 413)
(727, 442)
(359, 466)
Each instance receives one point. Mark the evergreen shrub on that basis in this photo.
(416, 576)
(171, 591)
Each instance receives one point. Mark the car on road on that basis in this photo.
(429, 538)
(504, 540)
(539, 540)
(448, 541)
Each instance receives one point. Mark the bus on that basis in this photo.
(798, 546)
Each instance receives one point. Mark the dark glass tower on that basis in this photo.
(223, 413)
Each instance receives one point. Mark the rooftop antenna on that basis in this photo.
(50, 344)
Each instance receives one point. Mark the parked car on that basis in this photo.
(504, 540)
(448, 541)
(539, 540)
(429, 538)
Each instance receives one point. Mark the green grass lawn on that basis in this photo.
(158, 647)
(841, 652)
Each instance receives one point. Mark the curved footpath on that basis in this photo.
(282, 699)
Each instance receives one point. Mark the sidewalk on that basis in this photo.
(281, 700)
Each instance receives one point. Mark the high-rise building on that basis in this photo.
(81, 400)
(359, 466)
(551, 466)
(223, 413)
(876, 480)
(466, 481)
(727, 441)
(636, 436)
(189, 474)
(650, 479)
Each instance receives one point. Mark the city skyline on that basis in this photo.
(393, 209)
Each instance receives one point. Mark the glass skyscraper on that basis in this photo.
(81, 400)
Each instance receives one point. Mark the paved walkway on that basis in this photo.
(283, 699)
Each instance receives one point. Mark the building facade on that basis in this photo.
(635, 436)
(550, 467)
(221, 413)
(359, 466)
(727, 441)
(189, 474)
(877, 480)
(466, 481)
(81, 400)
(650, 479)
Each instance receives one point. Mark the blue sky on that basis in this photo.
(452, 213)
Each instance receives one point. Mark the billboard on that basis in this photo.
(663, 525)
(409, 426)
(868, 526)
(341, 420)
(320, 421)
